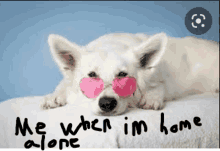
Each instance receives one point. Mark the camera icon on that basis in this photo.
(198, 20)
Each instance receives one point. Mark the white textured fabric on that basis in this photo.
(206, 107)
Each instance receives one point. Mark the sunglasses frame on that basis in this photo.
(129, 84)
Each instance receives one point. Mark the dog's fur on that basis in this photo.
(165, 68)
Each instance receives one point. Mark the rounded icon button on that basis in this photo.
(198, 20)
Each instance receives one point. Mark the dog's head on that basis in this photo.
(111, 72)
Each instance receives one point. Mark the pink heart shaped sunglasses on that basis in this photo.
(92, 87)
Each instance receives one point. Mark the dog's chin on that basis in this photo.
(112, 113)
(116, 112)
(100, 113)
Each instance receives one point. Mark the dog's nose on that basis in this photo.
(107, 104)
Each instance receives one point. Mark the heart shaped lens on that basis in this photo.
(91, 87)
(125, 86)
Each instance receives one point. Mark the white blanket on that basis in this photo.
(205, 107)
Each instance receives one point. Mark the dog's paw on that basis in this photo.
(52, 101)
(153, 99)
(157, 105)
(153, 104)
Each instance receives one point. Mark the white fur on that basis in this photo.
(179, 67)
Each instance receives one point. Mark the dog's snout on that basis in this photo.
(107, 104)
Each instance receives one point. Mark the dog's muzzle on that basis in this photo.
(107, 104)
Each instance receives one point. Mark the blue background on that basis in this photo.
(27, 69)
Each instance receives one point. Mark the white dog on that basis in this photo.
(164, 68)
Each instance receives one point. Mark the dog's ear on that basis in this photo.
(150, 52)
(65, 53)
